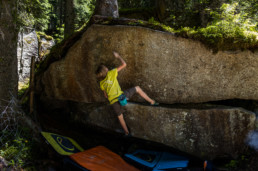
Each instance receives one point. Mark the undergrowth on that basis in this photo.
(228, 31)
(17, 146)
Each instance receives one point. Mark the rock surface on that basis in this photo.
(45, 46)
(27, 47)
(207, 133)
(168, 68)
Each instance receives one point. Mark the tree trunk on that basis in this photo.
(61, 17)
(69, 17)
(8, 51)
(161, 9)
(53, 20)
(107, 8)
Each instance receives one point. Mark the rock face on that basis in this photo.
(45, 46)
(171, 69)
(27, 47)
(206, 133)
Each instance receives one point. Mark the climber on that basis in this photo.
(112, 91)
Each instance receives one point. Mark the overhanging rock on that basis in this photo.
(207, 133)
(169, 68)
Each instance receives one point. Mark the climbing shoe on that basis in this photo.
(155, 104)
(128, 135)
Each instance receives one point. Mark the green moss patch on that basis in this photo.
(215, 37)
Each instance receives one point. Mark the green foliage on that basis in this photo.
(47, 37)
(83, 27)
(191, 13)
(16, 153)
(163, 26)
(48, 15)
(83, 10)
(238, 163)
(22, 89)
(229, 30)
(59, 35)
(232, 164)
(220, 26)
(249, 7)
(17, 149)
(34, 13)
(17, 145)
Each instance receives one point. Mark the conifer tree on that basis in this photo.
(8, 52)
(69, 17)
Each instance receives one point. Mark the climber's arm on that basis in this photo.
(123, 65)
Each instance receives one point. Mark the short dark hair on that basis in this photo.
(101, 72)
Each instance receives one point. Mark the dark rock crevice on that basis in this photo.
(249, 105)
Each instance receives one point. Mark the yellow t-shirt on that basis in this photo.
(111, 86)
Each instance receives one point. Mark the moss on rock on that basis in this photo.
(213, 41)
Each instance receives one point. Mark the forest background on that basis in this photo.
(220, 24)
(217, 23)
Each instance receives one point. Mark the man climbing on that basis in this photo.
(112, 91)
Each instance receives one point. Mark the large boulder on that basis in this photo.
(169, 68)
(205, 132)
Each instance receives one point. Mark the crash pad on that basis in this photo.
(101, 158)
(63, 145)
(156, 161)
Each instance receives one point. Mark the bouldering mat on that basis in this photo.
(101, 158)
(63, 145)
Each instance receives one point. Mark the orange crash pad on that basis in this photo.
(101, 158)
